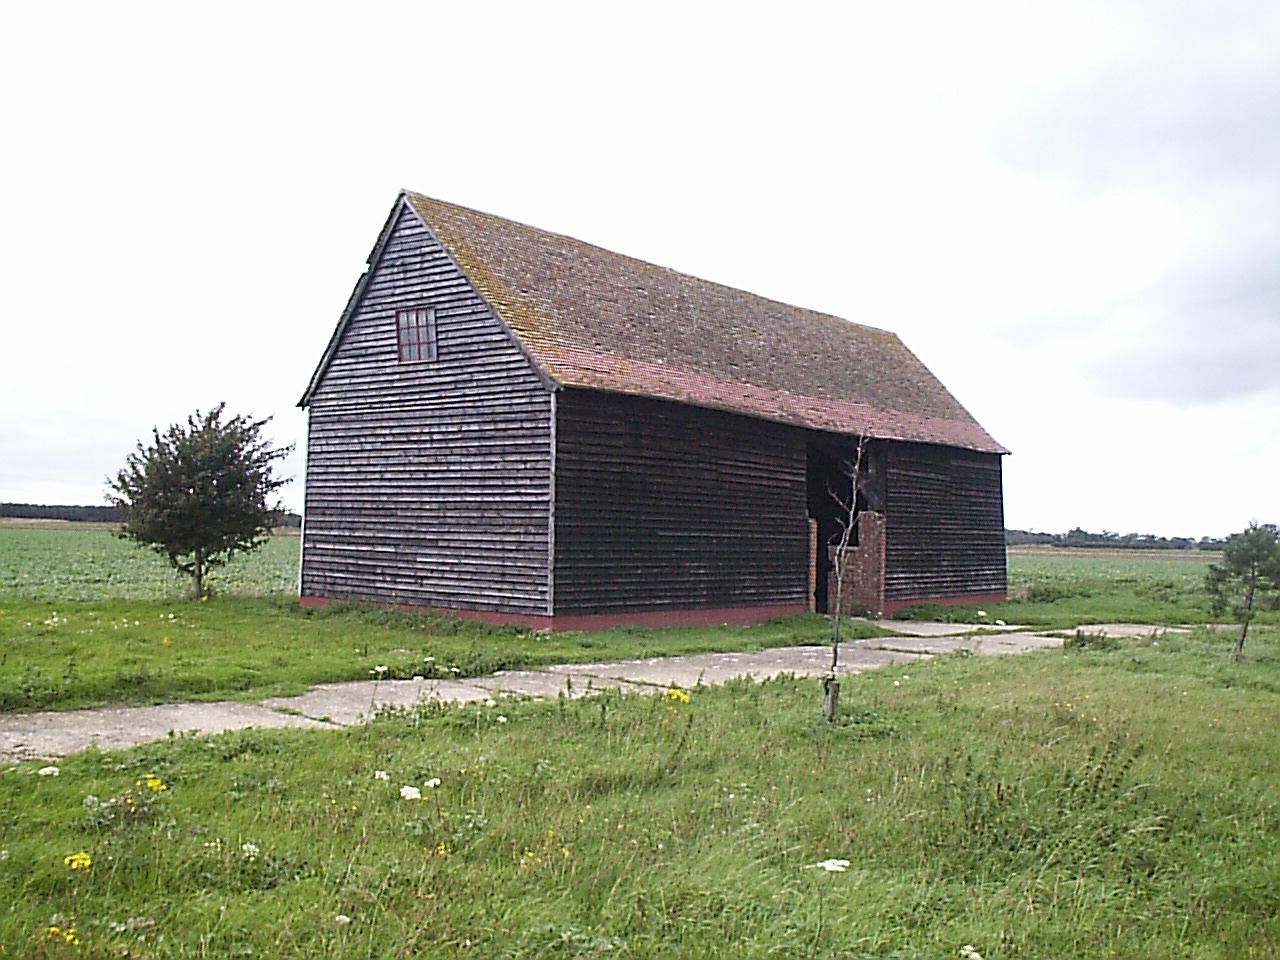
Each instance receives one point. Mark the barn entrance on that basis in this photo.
(829, 485)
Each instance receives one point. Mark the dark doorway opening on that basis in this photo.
(829, 485)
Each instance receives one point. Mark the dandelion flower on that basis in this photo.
(78, 861)
(380, 775)
(410, 793)
(47, 771)
(832, 866)
(432, 783)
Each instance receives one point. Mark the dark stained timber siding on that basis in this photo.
(428, 483)
(945, 518)
(660, 505)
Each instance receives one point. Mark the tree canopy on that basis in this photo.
(1248, 577)
(199, 493)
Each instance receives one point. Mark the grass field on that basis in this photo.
(1118, 798)
(1120, 802)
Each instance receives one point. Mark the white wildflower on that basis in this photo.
(832, 866)
(380, 775)
(249, 851)
(501, 718)
(432, 783)
(410, 793)
(982, 613)
(342, 919)
(47, 772)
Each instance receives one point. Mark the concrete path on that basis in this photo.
(52, 734)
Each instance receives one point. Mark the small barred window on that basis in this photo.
(416, 332)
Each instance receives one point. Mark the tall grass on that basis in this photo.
(1120, 802)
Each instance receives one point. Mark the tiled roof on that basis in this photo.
(593, 318)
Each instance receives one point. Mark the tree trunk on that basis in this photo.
(197, 576)
(1238, 654)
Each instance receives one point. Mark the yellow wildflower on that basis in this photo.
(78, 861)
(676, 695)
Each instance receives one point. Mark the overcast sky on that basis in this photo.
(1068, 211)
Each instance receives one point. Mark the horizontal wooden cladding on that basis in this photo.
(945, 524)
(428, 482)
(661, 505)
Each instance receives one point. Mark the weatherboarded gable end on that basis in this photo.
(429, 483)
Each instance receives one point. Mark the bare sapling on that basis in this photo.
(846, 521)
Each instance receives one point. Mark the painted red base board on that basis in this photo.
(972, 600)
(734, 616)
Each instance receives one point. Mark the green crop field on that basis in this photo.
(59, 561)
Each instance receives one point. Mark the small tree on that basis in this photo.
(846, 522)
(198, 494)
(1248, 578)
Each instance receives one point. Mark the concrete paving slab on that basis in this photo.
(571, 683)
(932, 628)
(350, 703)
(987, 643)
(52, 734)
(1126, 629)
(714, 668)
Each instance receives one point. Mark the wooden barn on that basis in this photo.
(522, 427)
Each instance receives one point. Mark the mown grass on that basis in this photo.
(1092, 802)
(67, 656)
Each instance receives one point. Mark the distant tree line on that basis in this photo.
(1126, 541)
(40, 511)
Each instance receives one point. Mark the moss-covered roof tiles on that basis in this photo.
(590, 317)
